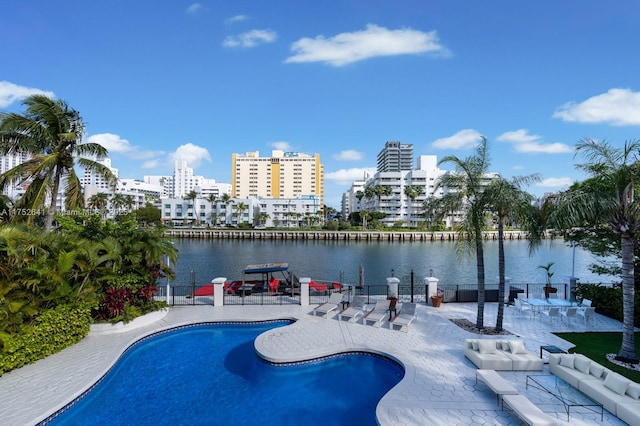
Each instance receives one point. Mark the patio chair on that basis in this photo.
(552, 312)
(334, 301)
(405, 317)
(378, 313)
(356, 308)
(568, 314)
(522, 308)
(588, 314)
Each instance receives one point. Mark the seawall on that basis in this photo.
(252, 234)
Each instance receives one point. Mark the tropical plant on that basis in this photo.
(50, 133)
(468, 183)
(609, 203)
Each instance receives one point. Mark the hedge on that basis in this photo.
(52, 331)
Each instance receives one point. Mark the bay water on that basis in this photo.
(202, 260)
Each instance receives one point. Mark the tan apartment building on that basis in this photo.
(283, 175)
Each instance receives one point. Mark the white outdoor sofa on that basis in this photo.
(501, 354)
(617, 394)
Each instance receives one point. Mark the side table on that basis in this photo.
(552, 349)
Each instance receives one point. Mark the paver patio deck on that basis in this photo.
(438, 387)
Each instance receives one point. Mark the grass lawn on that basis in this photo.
(597, 345)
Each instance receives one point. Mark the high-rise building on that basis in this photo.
(283, 175)
(395, 157)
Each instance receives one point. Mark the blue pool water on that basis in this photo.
(210, 375)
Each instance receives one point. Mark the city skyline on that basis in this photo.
(203, 80)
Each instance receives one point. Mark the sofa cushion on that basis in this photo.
(474, 344)
(634, 390)
(596, 370)
(616, 383)
(567, 360)
(517, 347)
(487, 346)
(629, 412)
(582, 364)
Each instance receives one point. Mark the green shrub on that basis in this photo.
(52, 331)
(607, 300)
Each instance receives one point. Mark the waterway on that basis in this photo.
(333, 260)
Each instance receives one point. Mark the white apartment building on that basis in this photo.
(184, 181)
(283, 175)
(92, 178)
(258, 212)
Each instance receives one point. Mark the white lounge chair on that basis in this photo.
(356, 308)
(378, 313)
(334, 301)
(405, 317)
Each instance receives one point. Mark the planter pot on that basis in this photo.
(549, 290)
(435, 301)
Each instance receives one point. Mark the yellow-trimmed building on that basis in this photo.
(282, 175)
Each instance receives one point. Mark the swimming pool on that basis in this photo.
(209, 374)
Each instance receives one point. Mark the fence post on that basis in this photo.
(304, 291)
(218, 291)
(432, 286)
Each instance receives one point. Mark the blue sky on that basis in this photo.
(202, 80)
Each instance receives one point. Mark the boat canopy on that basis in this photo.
(265, 268)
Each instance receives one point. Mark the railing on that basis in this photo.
(414, 293)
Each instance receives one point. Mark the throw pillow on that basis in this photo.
(566, 360)
(634, 390)
(616, 383)
(474, 345)
(582, 364)
(487, 346)
(596, 370)
(517, 347)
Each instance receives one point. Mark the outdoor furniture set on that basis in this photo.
(500, 354)
(616, 393)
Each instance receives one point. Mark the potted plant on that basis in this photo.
(436, 299)
(547, 288)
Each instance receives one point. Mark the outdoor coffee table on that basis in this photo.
(552, 350)
(564, 392)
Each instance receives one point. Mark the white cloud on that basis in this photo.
(374, 41)
(618, 107)
(560, 182)
(524, 142)
(194, 8)
(464, 139)
(281, 145)
(250, 39)
(348, 176)
(10, 93)
(194, 154)
(151, 164)
(238, 18)
(113, 143)
(348, 155)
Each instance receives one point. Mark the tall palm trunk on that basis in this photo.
(54, 200)
(480, 272)
(501, 282)
(627, 350)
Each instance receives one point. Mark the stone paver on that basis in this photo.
(439, 385)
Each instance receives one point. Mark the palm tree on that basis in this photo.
(468, 184)
(612, 202)
(413, 192)
(99, 202)
(507, 200)
(226, 199)
(359, 196)
(50, 132)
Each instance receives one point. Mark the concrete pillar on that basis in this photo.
(218, 291)
(432, 290)
(392, 287)
(304, 291)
